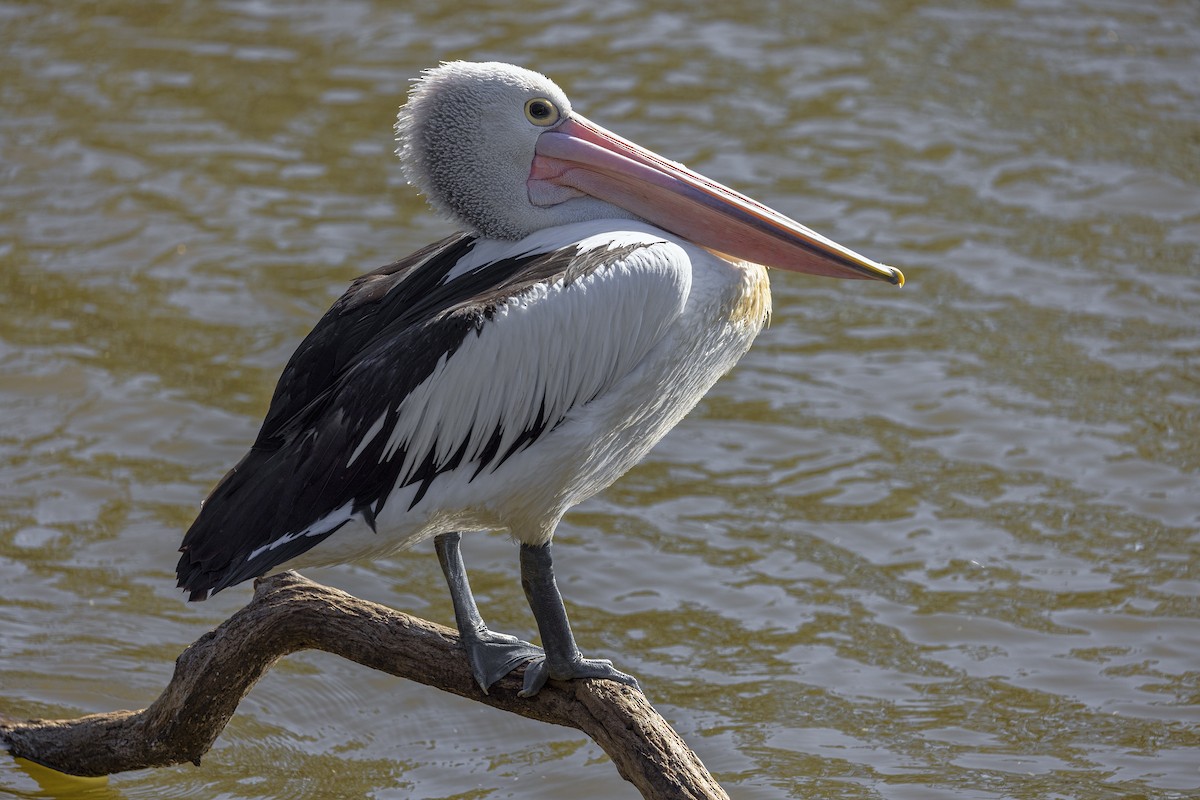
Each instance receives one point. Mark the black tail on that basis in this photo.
(242, 529)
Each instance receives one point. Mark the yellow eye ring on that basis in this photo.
(541, 112)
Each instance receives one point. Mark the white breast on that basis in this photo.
(623, 355)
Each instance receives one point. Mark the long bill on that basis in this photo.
(582, 156)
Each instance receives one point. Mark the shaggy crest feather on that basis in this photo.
(465, 144)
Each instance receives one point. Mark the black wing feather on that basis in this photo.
(378, 342)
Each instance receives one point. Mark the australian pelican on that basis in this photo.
(498, 377)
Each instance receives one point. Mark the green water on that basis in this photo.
(941, 542)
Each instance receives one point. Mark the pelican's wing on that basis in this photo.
(455, 359)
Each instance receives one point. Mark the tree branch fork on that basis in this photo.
(289, 613)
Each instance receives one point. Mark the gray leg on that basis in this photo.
(562, 660)
(491, 655)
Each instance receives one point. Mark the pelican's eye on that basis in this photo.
(541, 112)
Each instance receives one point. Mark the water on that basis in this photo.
(935, 542)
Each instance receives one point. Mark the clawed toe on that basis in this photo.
(538, 672)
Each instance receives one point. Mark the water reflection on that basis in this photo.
(937, 542)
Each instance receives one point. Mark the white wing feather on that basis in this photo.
(560, 344)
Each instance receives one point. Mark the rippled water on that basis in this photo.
(937, 542)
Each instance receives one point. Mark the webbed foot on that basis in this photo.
(493, 655)
(539, 671)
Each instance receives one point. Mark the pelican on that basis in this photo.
(498, 377)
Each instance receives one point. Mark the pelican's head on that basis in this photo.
(500, 149)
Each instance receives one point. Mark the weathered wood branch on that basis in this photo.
(290, 613)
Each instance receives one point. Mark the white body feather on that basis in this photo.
(625, 352)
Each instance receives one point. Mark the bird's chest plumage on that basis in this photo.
(726, 308)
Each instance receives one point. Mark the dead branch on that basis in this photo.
(290, 613)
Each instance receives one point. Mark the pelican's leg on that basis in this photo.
(491, 655)
(562, 660)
